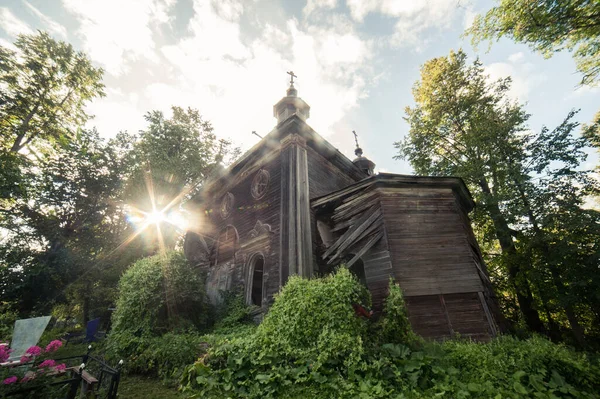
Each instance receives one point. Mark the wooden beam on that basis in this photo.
(364, 249)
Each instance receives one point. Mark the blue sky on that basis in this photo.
(356, 62)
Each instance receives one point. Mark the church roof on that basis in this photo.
(395, 180)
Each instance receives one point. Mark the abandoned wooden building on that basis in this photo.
(294, 204)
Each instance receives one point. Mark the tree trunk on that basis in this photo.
(515, 273)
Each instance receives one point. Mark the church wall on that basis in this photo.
(247, 211)
(434, 263)
(427, 240)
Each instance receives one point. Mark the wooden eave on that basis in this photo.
(396, 180)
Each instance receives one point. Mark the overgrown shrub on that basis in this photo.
(232, 312)
(394, 326)
(161, 310)
(314, 319)
(312, 345)
(159, 294)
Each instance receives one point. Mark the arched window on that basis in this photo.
(256, 273)
(227, 245)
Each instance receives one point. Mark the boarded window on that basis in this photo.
(358, 269)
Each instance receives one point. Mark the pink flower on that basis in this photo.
(60, 367)
(4, 353)
(34, 351)
(47, 363)
(25, 358)
(10, 380)
(53, 346)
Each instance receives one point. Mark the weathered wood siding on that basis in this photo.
(247, 211)
(443, 316)
(323, 176)
(427, 241)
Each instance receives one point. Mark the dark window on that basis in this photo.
(358, 269)
(257, 281)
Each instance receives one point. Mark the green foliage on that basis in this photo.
(314, 319)
(8, 316)
(315, 346)
(45, 89)
(395, 326)
(162, 356)
(232, 311)
(547, 27)
(159, 294)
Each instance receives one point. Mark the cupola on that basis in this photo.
(291, 104)
(362, 163)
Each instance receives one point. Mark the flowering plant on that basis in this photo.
(53, 346)
(10, 375)
(4, 353)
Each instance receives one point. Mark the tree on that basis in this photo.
(529, 187)
(45, 86)
(59, 235)
(168, 163)
(547, 27)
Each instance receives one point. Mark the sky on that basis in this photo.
(356, 62)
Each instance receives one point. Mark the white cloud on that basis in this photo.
(524, 77)
(413, 17)
(116, 112)
(313, 5)
(11, 24)
(234, 83)
(516, 57)
(51, 25)
(115, 31)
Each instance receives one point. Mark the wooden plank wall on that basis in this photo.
(247, 211)
(442, 316)
(429, 249)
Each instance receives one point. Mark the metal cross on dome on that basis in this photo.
(292, 76)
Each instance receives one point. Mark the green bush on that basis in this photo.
(151, 337)
(311, 344)
(394, 326)
(159, 294)
(315, 320)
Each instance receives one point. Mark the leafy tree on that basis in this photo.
(45, 86)
(548, 27)
(529, 188)
(60, 233)
(168, 163)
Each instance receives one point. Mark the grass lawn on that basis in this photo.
(137, 387)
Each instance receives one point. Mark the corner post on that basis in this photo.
(296, 240)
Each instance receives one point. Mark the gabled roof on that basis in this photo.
(271, 142)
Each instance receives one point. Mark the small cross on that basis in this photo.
(355, 138)
(292, 76)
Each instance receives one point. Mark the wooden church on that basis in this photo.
(293, 204)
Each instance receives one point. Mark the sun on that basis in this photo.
(155, 217)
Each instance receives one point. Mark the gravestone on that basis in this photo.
(27, 333)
